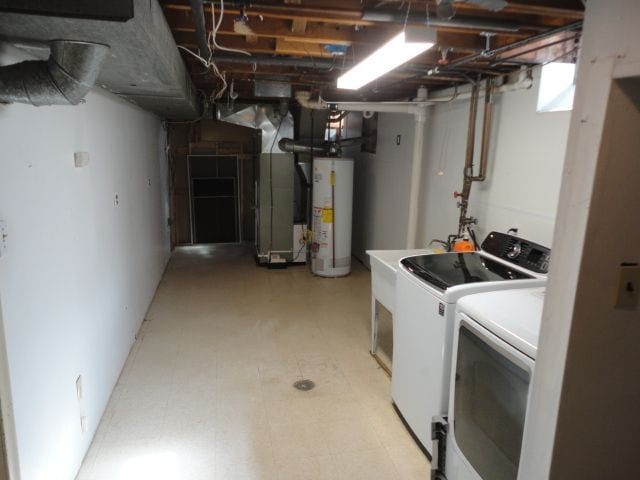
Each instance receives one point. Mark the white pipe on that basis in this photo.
(523, 82)
(416, 177)
(304, 99)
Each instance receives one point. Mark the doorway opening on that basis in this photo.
(215, 201)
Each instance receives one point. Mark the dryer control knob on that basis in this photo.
(515, 250)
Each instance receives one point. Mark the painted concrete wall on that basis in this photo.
(525, 167)
(381, 187)
(583, 420)
(79, 271)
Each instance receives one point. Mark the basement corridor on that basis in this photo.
(206, 393)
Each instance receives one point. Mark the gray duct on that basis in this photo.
(275, 122)
(417, 17)
(291, 146)
(64, 79)
(325, 148)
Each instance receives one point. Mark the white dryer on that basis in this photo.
(494, 351)
(427, 289)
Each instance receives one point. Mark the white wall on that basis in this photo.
(525, 168)
(381, 188)
(583, 419)
(521, 191)
(79, 272)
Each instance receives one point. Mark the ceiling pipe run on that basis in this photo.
(64, 79)
(415, 70)
(197, 12)
(397, 16)
(318, 63)
(487, 54)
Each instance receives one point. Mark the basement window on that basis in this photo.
(557, 87)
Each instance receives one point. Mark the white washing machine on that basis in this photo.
(427, 289)
(495, 344)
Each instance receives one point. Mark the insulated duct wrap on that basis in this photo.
(64, 79)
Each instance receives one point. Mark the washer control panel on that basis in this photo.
(518, 251)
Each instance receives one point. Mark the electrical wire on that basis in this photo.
(216, 27)
(202, 60)
(406, 17)
(304, 244)
(213, 44)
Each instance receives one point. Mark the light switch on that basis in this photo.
(628, 286)
(3, 238)
(81, 159)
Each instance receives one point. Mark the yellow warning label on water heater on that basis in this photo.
(327, 215)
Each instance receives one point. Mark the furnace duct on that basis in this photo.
(274, 121)
(64, 79)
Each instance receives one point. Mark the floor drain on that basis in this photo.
(304, 385)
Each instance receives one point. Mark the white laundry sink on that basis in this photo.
(384, 266)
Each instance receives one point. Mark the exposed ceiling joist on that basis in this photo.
(304, 32)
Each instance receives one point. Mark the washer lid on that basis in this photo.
(446, 270)
(512, 315)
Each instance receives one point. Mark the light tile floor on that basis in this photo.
(206, 393)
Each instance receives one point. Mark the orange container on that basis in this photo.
(463, 246)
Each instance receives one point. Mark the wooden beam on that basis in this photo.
(321, 11)
(262, 46)
(299, 49)
(298, 25)
(342, 35)
(530, 9)
(321, 15)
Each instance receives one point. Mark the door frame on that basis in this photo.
(8, 440)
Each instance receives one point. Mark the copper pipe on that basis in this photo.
(469, 177)
(471, 132)
(486, 133)
(468, 161)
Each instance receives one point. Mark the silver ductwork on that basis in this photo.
(291, 146)
(143, 65)
(274, 121)
(64, 79)
(325, 148)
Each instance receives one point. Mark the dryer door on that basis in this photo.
(489, 401)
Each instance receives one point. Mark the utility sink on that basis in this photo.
(384, 266)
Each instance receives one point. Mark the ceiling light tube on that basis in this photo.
(409, 43)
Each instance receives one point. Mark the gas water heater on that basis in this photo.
(331, 223)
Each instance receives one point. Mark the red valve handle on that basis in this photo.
(456, 194)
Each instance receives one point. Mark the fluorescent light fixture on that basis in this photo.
(400, 49)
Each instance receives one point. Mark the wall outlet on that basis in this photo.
(628, 292)
(79, 388)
